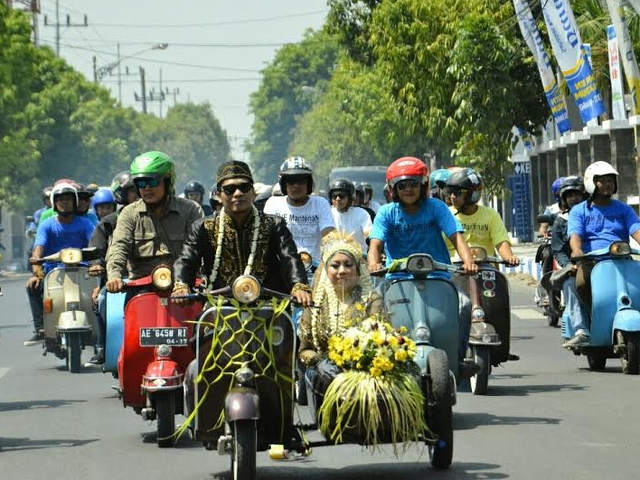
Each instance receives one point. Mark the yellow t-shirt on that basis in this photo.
(484, 228)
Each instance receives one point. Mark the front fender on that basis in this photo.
(483, 333)
(626, 320)
(73, 320)
(421, 357)
(242, 404)
(162, 375)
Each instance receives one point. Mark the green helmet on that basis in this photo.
(154, 164)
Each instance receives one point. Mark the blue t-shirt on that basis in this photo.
(91, 216)
(600, 226)
(420, 232)
(54, 236)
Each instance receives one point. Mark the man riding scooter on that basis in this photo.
(594, 224)
(150, 231)
(415, 223)
(571, 193)
(274, 261)
(123, 193)
(65, 229)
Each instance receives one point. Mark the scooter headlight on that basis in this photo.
(478, 254)
(246, 289)
(71, 256)
(421, 334)
(419, 264)
(620, 248)
(244, 376)
(161, 278)
(477, 315)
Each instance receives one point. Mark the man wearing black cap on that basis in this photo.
(251, 242)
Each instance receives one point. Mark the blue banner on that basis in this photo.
(558, 108)
(584, 89)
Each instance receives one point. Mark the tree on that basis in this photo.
(289, 84)
(355, 123)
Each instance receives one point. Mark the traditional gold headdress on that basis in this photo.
(331, 309)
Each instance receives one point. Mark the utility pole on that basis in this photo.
(175, 92)
(95, 69)
(119, 78)
(144, 91)
(68, 24)
(28, 6)
(161, 93)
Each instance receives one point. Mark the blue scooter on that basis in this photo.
(615, 299)
(426, 304)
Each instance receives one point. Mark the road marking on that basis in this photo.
(3, 371)
(524, 313)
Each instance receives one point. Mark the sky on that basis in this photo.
(245, 35)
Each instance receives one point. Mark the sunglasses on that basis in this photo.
(151, 182)
(231, 189)
(456, 192)
(339, 195)
(408, 184)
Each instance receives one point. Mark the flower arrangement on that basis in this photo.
(376, 394)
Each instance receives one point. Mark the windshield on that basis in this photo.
(374, 175)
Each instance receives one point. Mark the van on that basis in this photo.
(374, 175)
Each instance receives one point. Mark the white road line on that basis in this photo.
(3, 371)
(523, 313)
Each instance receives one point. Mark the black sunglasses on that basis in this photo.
(339, 195)
(455, 191)
(151, 182)
(408, 184)
(231, 189)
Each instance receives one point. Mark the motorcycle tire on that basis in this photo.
(480, 381)
(439, 410)
(74, 352)
(553, 318)
(243, 451)
(597, 361)
(165, 403)
(631, 355)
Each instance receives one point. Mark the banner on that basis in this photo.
(617, 92)
(567, 48)
(625, 47)
(533, 39)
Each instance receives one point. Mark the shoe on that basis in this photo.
(34, 340)
(98, 358)
(578, 340)
(513, 357)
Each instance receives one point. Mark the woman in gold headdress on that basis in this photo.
(342, 283)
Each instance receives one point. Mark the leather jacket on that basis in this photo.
(277, 264)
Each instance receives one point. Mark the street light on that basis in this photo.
(100, 73)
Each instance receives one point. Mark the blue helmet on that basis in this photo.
(555, 187)
(102, 196)
(438, 178)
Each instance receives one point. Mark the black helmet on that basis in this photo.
(368, 189)
(119, 185)
(295, 167)
(568, 184)
(343, 185)
(84, 192)
(194, 186)
(467, 179)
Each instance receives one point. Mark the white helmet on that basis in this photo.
(597, 169)
(61, 188)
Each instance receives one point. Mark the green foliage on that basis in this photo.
(289, 84)
(54, 123)
(355, 123)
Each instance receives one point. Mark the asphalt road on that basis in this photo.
(546, 416)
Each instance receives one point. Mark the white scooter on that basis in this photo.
(69, 321)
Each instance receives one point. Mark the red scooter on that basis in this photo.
(155, 352)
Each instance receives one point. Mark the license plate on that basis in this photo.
(174, 336)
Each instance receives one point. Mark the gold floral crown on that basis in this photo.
(337, 241)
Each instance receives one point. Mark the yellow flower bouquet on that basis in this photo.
(376, 396)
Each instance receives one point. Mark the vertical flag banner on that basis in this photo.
(617, 92)
(567, 48)
(534, 41)
(587, 51)
(625, 47)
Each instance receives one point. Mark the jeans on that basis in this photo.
(574, 308)
(37, 309)
(101, 316)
